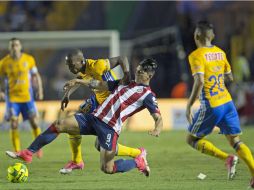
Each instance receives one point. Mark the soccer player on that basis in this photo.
(19, 70)
(106, 121)
(100, 69)
(210, 68)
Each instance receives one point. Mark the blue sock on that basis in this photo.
(124, 165)
(43, 139)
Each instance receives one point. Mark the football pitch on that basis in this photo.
(174, 165)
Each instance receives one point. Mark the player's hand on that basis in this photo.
(2, 96)
(68, 85)
(154, 132)
(189, 115)
(39, 95)
(64, 102)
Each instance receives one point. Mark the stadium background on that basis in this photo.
(162, 30)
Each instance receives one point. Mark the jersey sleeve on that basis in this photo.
(32, 65)
(151, 104)
(227, 67)
(196, 64)
(100, 66)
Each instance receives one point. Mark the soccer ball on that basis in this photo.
(17, 173)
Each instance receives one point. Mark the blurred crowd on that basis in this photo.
(233, 21)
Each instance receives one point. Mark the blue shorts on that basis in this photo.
(89, 105)
(27, 109)
(225, 117)
(91, 125)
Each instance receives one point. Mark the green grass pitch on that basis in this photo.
(174, 165)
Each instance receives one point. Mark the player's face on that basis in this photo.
(141, 75)
(75, 64)
(15, 47)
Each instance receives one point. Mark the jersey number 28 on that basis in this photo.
(217, 82)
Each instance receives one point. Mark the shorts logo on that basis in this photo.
(108, 140)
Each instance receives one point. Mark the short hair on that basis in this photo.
(204, 27)
(70, 55)
(149, 65)
(14, 39)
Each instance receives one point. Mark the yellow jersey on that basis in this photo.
(17, 74)
(212, 63)
(95, 69)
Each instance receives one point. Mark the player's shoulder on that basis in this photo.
(28, 56)
(196, 53)
(218, 49)
(5, 58)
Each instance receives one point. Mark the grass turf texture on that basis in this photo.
(174, 165)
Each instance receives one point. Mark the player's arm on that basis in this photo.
(124, 63)
(37, 78)
(196, 90)
(92, 84)
(158, 125)
(228, 77)
(2, 94)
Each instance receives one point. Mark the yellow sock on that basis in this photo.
(244, 153)
(75, 144)
(36, 132)
(208, 148)
(14, 133)
(127, 151)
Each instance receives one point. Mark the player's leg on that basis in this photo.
(122, 150)
(107, 138)
(14, 133)
(68, 125)
(29, 111)
(203, 123)
(12, 113)
(76, 161)
(206, 147)
(243, 151)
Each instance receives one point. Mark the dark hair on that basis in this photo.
(204, 25)
(149, 64)
(71, 54)
(14, 39)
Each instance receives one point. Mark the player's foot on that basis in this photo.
(25, 155)
(72, 166)
(39, 153)
(231, 163)
(142, 163)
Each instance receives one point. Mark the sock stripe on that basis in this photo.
(236, 145)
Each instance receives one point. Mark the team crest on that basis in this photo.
(139, 90)
(25, 64)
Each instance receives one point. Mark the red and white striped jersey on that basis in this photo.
(124, 102)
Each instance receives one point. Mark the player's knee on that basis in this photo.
(14, 123)
(190, 140)
(97, 144)
(58, 125)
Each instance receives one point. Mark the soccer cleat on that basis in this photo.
(231, 163)
(142, 163)
(252, 183)
(72, 166)
(39, 153)
(24, 155)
